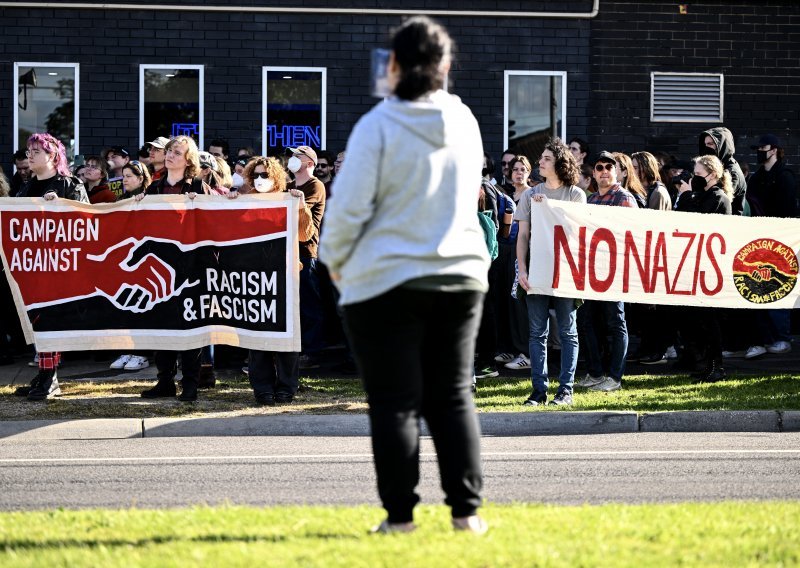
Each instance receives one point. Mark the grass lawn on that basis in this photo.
(719, 534)
(233, 397)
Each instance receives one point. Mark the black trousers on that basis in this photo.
(167, 365)
(274, 373)
(415, 351)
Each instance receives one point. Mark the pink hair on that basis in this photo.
(53, 147)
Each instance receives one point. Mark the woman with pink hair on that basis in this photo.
(50, 179)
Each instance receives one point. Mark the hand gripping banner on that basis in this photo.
(163, 273)
(663, 257)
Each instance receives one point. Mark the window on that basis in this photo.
(46, 100)
(534, 109)
(294, 108)
(686, 97)
(170, 102)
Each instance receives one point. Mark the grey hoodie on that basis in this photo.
(725, 150)
(406, 198)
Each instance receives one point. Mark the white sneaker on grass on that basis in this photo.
(607, 385)
(671, 353)
(519, 364)
(589, 381)
(120, 362)
(504, 358)
(755, 351)
(137, 363)
(779, 347)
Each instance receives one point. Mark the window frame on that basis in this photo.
(77, 98)
(202, 97)
(265, 70)
(508, 73)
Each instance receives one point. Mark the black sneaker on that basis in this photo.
(46, 386)
(163, 389)
(653, 360)
(267, 399)
(536, 400)
(562, 398)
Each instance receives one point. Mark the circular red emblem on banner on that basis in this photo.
(764, 271)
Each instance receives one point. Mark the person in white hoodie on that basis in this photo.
(405, 247)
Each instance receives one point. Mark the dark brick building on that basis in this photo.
(528, 69)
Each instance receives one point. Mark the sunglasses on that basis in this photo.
(606, 167)
(262, 175)
(505, 163)
(137, 165)
(205, 165)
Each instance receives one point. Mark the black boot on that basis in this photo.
(189, 392)
(165, 388)
(46, 385)
(25, 390)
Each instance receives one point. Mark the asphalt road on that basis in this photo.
(170, 472)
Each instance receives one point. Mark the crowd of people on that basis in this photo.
(433, 300)
(517, 329)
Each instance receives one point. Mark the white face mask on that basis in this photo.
(264, 185)
(294, 164)
(238, 181)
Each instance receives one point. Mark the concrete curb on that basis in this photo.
(492, 424)
(89, 429)
(712, 421)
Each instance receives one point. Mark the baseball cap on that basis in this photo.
(605, 157)
(159, 142)
(206, 159)
(768, 140)
(307, 151)
(119, 151)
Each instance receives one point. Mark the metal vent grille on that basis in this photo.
(686, 97)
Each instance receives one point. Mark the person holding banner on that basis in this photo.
(182, 163)
(404, 244)
(275, 375)
(560, 171)
(711, 192)
(50, 179)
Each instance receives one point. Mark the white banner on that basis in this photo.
(663, 257)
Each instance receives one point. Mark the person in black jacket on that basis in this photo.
(772, 192)
(50, 179)
(710, 192)
(719, 142)
(182, 165)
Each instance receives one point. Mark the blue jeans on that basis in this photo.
(539, 326)
(310, 308)
(602, 318)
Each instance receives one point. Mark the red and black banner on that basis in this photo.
(163, 273)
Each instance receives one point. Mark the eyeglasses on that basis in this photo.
(606, 167)
(262, 175)
(504, 164)
(91, 167)
(204, 165)
(323, 166)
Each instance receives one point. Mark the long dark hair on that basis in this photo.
(422, 50)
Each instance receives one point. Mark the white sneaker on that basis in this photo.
(779, 347)
(671, 353)
(607, 385)
(589, 381)
(120, 362)
(734, 354)
(755, 351)
(137, 363)
(35, 362)
(504, 358)
(519, 364)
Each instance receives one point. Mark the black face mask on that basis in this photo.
(708, 151)
(761, 156)
(698, 183)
